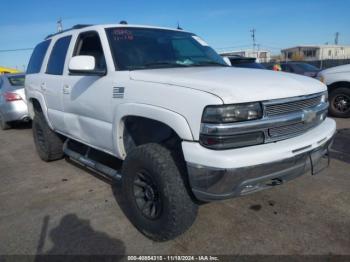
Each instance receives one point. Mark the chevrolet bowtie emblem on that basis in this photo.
(308, 116)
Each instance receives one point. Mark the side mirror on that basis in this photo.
(84, 65)
(227, 60)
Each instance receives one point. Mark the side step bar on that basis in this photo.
(85, 161)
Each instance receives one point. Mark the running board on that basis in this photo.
(85, 161)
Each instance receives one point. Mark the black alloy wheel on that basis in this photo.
(147, 195)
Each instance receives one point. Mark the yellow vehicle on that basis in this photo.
(6, 70)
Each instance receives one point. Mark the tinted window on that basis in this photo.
(37, 57)
(89, 44)
(286, 68)
(306, 67)
(16, 80)
(58, 56)
(140, 48)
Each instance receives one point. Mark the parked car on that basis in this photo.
(13, 105)
(300, 68)
(338, 81)
(186, 127)
(245, 62)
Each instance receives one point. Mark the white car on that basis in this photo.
(159, 110)
(338, 81)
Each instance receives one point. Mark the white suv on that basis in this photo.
(338, 81)
(161, 111)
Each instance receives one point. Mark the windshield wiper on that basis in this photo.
(164, 63)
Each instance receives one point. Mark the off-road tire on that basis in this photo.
(3, 124)
(49, 145)
(341, 91)
(177, 212)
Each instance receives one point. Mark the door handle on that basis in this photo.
(43, 86)
(66, 89)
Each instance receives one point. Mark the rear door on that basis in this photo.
(52, 85)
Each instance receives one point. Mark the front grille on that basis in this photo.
(290, 130)
(290, 107)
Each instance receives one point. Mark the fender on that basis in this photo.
(38, 96)
(174, 120)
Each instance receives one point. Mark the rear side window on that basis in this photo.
(58, 56)
(37, 58)
(16, 80)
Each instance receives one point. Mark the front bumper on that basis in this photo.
(288, 159)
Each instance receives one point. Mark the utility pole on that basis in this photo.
(336, 39)
(253, 38)
(59, 25)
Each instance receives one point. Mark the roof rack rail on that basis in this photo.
(78, 26)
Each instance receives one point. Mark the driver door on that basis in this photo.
(87, 98)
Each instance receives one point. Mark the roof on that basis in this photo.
(316, 46)
(92, 27)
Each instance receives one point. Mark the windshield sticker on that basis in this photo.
(122, 34)
(200, 40)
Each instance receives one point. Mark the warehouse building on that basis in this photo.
(262, 56)
(316, 52)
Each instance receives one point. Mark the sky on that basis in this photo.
(224, 24)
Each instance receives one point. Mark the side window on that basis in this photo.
(286, 68)
(37, 58)
(89, 43)
(58, 56)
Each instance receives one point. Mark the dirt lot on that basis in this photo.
(59, 208)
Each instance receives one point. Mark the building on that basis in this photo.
(316, 52)
(262, 56)
(6, 70)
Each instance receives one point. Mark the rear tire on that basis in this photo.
(3, 124)
(155, 197)
(49, 145)
(339, 100)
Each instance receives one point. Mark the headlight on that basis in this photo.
(232, 113)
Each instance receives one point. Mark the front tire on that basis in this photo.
(155, 196)
(49, 145)
(339, 100)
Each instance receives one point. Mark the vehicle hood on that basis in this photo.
(336, 69)
(234, 85)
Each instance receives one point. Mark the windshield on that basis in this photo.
(306, 67)
(143, 48)
(16, 80)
